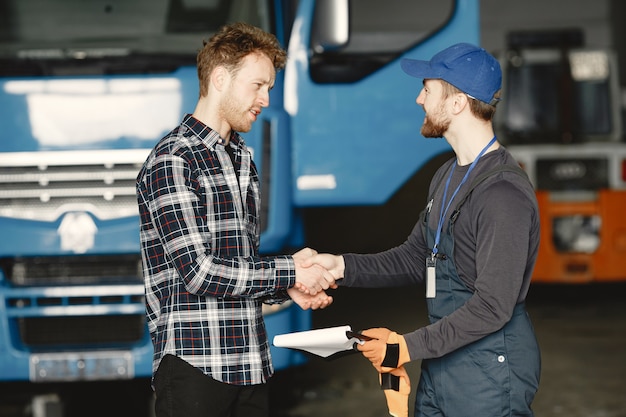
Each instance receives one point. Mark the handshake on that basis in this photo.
(315, 273)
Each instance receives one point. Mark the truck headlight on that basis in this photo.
(577, 233)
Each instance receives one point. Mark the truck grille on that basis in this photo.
(79, 316)
(73, 270)
(82, 332)
(572, 174)
(82, 302)
(73, 302)
(42, 185)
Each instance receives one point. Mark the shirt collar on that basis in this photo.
(208, 135)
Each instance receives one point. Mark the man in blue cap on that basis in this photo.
(474, 247)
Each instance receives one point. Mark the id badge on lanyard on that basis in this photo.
(431, 277)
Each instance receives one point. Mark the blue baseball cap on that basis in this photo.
(467, 67)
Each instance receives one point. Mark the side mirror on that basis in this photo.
(331, 25)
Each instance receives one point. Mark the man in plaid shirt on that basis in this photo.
(205, 282)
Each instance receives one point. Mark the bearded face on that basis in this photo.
(247, 92)
(435, 124)
(236, 113)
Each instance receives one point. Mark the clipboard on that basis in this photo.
(324, 342)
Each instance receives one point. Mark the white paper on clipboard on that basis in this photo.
(321, 342)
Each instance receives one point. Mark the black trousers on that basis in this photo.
(183, 390)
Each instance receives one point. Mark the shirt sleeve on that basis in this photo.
(396, 267)
(180, 221)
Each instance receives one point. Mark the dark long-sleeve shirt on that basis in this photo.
(204, 280)
(496, 243)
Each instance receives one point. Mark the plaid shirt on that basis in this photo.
(204, 280)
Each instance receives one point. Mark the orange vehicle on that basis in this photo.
(561, 117)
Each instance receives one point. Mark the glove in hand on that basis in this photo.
(398, 401)
(385, 358)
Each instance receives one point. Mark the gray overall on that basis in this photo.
(497, 375)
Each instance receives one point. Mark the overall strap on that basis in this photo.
(431, 196)
(481, 178)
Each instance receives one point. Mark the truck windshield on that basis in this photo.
(553, 96)
(40, 37)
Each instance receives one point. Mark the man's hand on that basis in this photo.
(303, 254)
(397, 400)
(307, 301)
(387, 351)
(311, 278)
(332, 263)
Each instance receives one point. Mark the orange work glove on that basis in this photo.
(397, 387)
(387, 351)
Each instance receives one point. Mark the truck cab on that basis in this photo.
(561, 117)
(88, 88)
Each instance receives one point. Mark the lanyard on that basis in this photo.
(443, 211)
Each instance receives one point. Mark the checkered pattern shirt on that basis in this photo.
(204, 279)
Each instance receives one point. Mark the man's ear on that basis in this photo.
(219, 77)
(460, 102)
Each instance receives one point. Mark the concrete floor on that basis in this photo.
(581, 331)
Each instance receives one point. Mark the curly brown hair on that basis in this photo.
(231, 44)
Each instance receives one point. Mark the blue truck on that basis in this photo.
(88, 87)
